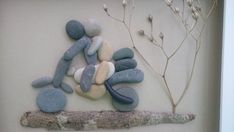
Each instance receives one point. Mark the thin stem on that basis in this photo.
(124, 13)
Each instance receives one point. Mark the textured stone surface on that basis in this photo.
(127, 76)
(105, 52)
(66, 88)
(86, 78)
(125, 64)
(102, 72)
(78, 74)
(75, 29)
(90, 59)
(51, 100)
(92, 27)
(96, 44)
(123, 54)
(95, 92)
(129, 92)
(41, 82)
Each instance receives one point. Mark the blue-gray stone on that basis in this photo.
(76, 48)
(61, 70)
(51, 100)
(75, 29)
(90, 59)
(42, 82)
(126, 76)
(129, 92)
(87, 77)
(123, 54)
(66, 88)
(125, 64)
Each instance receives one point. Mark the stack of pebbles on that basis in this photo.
(99, 74)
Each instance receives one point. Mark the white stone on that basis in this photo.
(111, 70)
(92, 27)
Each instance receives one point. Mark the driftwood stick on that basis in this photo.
(92, 120)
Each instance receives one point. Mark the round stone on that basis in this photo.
(51, 100)
(75, 29)
(96, 92)
(129, 92)
(92, 27)
(105, 52)
(123, 54)
(102, 72)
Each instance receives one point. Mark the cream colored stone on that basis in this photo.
(102, 72)
(96, 92)
(111, 70)
(105, 52)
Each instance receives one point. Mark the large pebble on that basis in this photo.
(96, 44)
(92, 27)
(41, 82)
(75, 29)
(90, 59)
(66, 88)
(51, 100)
(125, 64)
(123, 54)
(102, 72)
(86, 78)
(96, 92)
(78, 74)
(127, 76)
(129, 92)
(61, 70)
(105, 52)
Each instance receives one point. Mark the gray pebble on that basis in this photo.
(87, 77)
(66, 88)
(41, 82)
(92, 27)
(123, 54)
(129, 92)
(125, 64)
(90, 59)
(51, 100)
(127, 76)
(75, 29)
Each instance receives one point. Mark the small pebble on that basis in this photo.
(86, 78)
(92, 27)
(102, 72)
(41, 82)
(96, 92)
(78, 74)
(75, 29)
(127, 76)
(66, 88)
(129, 92)
(96, 44)
(125, 64)
(51, 100)
(111, 70)
(123, 54)
(90, 59)
(105, 52)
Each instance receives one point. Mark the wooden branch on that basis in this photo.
(92, 120)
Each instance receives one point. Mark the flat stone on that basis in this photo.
(61, 70)
(76, 48)
(127, 76)
(90, 59)
(51, 100)
(105, 52)
(71, 71)
(102, 72)
(96, 92)
(96, 44)
(78, 74)
(42, 82)
(86, 78)
(66, 88)
(129, 92)
(123, 54)
(111, 70)
(125, 64)
(92, 27)
(75, 29)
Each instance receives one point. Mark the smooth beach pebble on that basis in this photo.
(123, 54)
(96, 92)
(127, 76)
(90, 59)
(125, 64)
(123, 107)
(51, 100)
(102, 72)
(105, 52)
(78, 74)
(41, 82)
(111, 70)
(75, 29)
(96, 44)
(71, 71)
(86, 78)
(92, 27)
(66, 88)
(76, 48)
